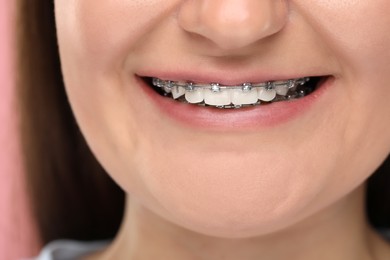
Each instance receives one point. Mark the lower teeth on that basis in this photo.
(235, 97)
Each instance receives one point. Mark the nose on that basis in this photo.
(233, 24)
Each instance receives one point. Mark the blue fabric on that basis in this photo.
(70, 250)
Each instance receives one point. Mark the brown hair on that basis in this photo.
(72, 196)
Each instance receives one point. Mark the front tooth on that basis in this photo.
(194, 96)
(281, 89)
(240, 97)
(220, 98)
(178, 92)
(266, 95)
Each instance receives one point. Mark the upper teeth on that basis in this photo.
(215, 94)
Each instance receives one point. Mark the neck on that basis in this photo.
(338, 232)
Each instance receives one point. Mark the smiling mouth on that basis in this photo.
(238, 96)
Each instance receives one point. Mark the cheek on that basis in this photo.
(358, 31)
(104, 33)
(95, 40)
(361, 41)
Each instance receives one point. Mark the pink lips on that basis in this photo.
(251, 118)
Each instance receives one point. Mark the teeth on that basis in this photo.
(167, 89)
(158, 82)
(237, 96)
(195, 96)
(282, 89)
(266, 94)
(217, 98)
(240, 97)
(178, 92)
(168, 86)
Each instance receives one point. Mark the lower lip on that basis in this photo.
(250, 118)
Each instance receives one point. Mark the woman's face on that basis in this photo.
(230, 172)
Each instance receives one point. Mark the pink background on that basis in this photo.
(17, 236)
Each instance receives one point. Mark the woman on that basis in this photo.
(237, 129)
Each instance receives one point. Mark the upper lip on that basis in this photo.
(225, 77)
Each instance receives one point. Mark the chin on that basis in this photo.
(232, 199)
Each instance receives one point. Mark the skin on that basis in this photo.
(290, 191)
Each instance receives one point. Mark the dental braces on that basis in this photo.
(296, 88)
(168, 85)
